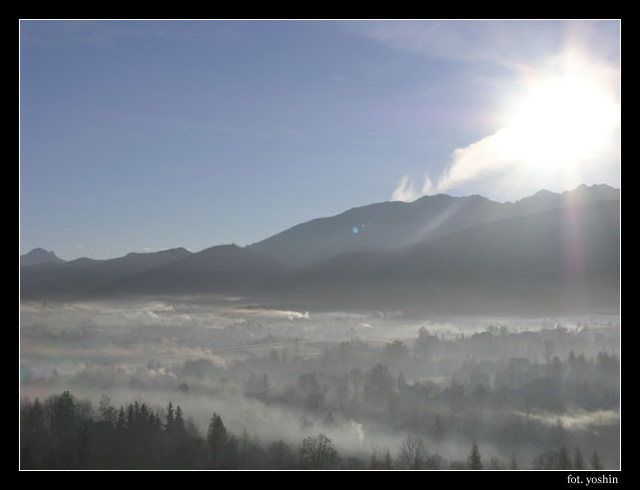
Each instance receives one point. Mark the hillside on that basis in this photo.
(223, 269)
(392, 225)
(78, 277)
(565, 259)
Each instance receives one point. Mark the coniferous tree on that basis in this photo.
(179, 424)
(33, 434)
(62, 426)
(475, 461)
(217, 438)
(170, 423)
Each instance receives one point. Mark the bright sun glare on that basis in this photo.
(559, 124)
(564, 131)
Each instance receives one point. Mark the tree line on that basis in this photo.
(65, 432)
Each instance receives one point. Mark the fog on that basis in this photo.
(521, 388)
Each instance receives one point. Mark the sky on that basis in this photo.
(144, 135)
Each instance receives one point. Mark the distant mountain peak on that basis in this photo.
(582, 194)
(595, 192)
(39, 256)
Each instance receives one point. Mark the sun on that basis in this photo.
(559, 124)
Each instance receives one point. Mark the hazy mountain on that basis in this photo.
(221, 269)
(77, 277)
(563, 259)
(438, 253)
(391, 225)
(39, 256)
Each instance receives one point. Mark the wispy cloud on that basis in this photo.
(480, 159)
(406, 190)
(499, 42)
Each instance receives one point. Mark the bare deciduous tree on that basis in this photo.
(318, 453)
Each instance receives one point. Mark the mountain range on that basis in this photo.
(396, 224)
(439, 253)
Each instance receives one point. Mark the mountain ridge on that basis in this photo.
(420, 254)
(542, 199)
(524, 261)
(396, 224)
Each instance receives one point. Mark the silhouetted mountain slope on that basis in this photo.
(398, 224)
(438, 253)
(39, 256)
(377, 226)
(225, 269)
(566, 258)
(77, 277)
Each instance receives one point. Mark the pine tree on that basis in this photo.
(180, 427)
(475, 462)
(170, 424)
(217, 438)
(34, 439)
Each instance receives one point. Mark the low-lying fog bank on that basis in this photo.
(522, 388)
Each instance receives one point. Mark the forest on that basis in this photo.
(189, 386)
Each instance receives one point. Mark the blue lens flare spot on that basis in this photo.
(355, 230)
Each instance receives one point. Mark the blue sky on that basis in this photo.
(138, 136)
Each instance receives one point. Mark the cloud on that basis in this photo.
(497, 42)
(266, 313)
(485, 157)
(513, 55)
(579, 419)
(405, 190)
(566, 130)
(479, 159)
(509, 155)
